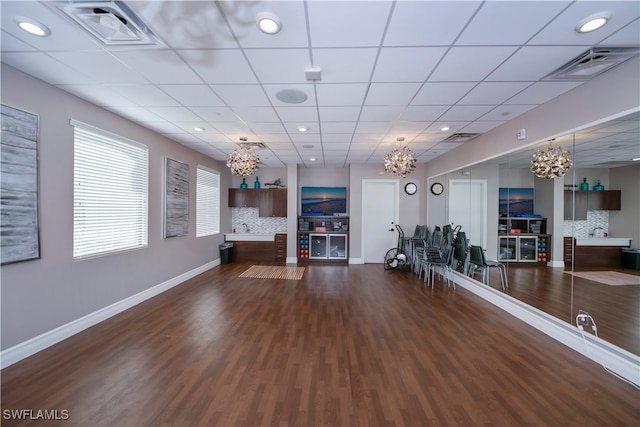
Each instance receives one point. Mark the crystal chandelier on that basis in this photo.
(400, 162)
(243, 162)
(551, 162)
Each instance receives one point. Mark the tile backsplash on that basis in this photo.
(255, 223)
(583, 229)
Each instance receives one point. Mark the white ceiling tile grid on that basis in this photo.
(387, 69)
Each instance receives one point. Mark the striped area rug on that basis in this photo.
(273, 272)
(611, 278)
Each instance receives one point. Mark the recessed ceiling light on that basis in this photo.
(313, 159)
(307, 146)
(635, 159)
(445, 128)
(592, 23)
(31, 26)
(198, 129)
(268, 23)
(303, 129)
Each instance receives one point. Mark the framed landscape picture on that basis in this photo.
(515, 201)
(19, 224)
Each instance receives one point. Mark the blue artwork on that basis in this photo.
(317, 201)
(515, 202)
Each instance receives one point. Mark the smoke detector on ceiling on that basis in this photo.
(111, 22)
(593, 62)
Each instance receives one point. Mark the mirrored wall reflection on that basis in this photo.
(566, 243)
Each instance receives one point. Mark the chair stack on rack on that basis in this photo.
(416, 244)
(437, 260)
(460, 259)
(477, 261)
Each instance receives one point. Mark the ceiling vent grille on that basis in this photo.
(460, 137)
(593, 62)
(253, 145)
(111, 22)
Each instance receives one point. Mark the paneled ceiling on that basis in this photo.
(387, 70)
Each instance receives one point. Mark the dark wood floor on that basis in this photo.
(347, 345)
(615, 309)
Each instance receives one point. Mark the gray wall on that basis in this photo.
(40, 295)
(626, 222)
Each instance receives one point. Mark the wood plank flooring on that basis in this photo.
(346, 345)
(615, 309)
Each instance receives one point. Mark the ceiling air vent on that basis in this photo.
(253, 145)
(111, 22)
(593, 62)
(460, 137)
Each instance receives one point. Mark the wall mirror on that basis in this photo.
(563, 255)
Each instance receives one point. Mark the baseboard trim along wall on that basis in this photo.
(25, 349)
(615, 359)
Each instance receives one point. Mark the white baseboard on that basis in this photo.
(27, 348)
(618, 360)
(558, 264)
(356, 261)
(291, 260)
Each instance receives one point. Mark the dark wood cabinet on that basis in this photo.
(272, 202)
(281, 247)
(243, 198)
(607, 200)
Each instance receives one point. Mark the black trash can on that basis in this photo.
(225, 253)
(630, 258)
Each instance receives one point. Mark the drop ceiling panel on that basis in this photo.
(493, 93)
(561, 31)
(416, 23)
(495, 22)
(45, 68)
(256, 114)
(380, 113)
(391, 93)
(341, 94)
(177, 114)
(329, 128)
(65, 35)
(344, 24)
(442, 93)
(532, 63)
(541, 92)
(146, 96)
(242, 95)
(186, 24)
(146, 63)
(219, 66)
(470, 64)
(297, 114)
(215, 114)
(423, 112)
(293, 33)
(101, 66)
(332, 63)
(337, 114)
(406, 64)
(279, 65)
(13, 44)
(197, 95)
(104, 96)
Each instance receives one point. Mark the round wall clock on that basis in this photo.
(437, 188)
(410, 188)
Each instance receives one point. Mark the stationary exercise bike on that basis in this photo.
(396, 258)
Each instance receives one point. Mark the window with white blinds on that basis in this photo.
(110, 187)
(207, 202)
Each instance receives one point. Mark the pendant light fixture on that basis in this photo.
(401, 161)
(243, 161)
(551, 162)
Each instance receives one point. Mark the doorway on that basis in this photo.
(468, 208)
(380, 212)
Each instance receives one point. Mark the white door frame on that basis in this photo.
(396, 213)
